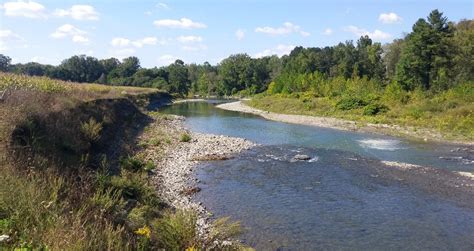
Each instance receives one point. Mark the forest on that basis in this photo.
(435, 56)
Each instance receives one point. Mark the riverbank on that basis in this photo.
(176, 156)
(341, 124)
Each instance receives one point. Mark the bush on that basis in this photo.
(185, 137)
(134, 186)
(349, 103)
(91, 130)
(132, 164)
(374, 109)
(176, 231)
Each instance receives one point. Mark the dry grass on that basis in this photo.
(60, 145)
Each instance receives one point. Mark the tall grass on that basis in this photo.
(53, 197)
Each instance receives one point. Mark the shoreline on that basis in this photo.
(346, 125)
(176, 162)
(176, 183)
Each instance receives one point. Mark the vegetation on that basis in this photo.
(185, 137)
(419, 81)
(64, 182)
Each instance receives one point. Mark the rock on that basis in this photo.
(191, 190)
(301, 157)
(4, 237)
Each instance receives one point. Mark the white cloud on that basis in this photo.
(389, 18)
(376, 34)
(78, 12)
(27, 9)
(183, 23)
(328, 32)
(163, 6)
(147, 41)
(148, 13)
(287, 28)
(240, 34)
(68, 30)
(125, 42)
(280, 50)
(189, 39)
(166, 59)
(8, 38)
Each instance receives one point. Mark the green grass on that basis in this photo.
(58, 188)
(450, 113)
(185, 137)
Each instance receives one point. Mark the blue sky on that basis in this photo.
(158, 32)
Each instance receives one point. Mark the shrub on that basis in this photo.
(91, 130)
(415, 112)
(374, 109)
(349, 103)
(134, 164)
(185, 137)
(134, 186)
(176, 231)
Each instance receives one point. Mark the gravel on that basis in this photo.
(176, 163)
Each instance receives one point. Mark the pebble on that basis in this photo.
(174, 168)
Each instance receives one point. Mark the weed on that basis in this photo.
(185, 137)
(374, 109)
(176, 231)
(91, 130)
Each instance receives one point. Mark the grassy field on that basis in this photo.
(70, 179)
(450, 113)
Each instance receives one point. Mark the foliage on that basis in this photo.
(5, 62)
(374, 109)
(349, 103)
(176, 231)
(91, 130)
(43, 84)
(185, 137)
(134, 164)
(49, 199)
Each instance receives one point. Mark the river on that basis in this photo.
(339, 199)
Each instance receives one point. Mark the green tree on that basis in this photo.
(464, 51)
(427, 55)
(5, 62)
(109, 64)
(178, 78)
(81, 69)
(128, 67)
(32, 69)
(392, 52)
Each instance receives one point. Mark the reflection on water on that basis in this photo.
(204, 117)
(334, 200)
(381, 144)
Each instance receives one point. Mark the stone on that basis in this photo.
(4, 237)
(301, 157)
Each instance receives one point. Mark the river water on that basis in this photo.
(334, 200)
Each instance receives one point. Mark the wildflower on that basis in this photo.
(144, 231)
(192, 248)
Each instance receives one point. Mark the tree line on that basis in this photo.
(435, 56)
